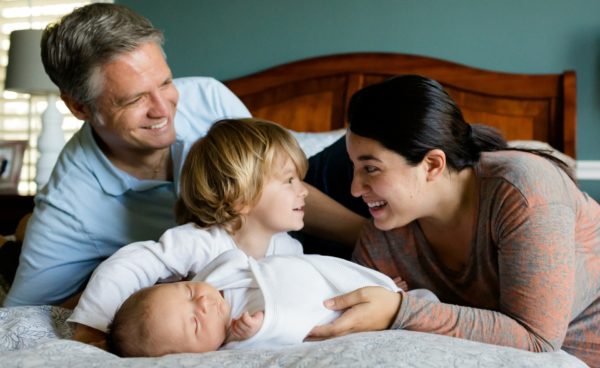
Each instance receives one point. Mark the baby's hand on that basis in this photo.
(401, 283)
(246, 326)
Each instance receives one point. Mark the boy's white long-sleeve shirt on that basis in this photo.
(180, 253)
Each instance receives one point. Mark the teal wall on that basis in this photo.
(230, 38)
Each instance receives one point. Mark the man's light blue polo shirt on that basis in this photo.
(89, 208)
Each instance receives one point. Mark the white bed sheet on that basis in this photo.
(38, 337)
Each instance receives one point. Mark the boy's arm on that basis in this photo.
(89, 335)
(136, 266)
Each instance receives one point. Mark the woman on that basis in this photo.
(504, 237)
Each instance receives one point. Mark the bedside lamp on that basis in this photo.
(25, 74)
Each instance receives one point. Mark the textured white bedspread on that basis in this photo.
(38, 337)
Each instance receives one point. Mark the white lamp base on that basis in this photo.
(50, 142)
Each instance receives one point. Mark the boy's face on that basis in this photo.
(188, 316)
(281, 203)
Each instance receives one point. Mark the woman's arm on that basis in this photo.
(536, 274)
(368, 309)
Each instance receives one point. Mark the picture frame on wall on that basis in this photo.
(11, 161)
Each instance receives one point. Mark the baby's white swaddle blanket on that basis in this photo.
(289, 288)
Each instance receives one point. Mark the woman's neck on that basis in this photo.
(458, 198)
(450, 231)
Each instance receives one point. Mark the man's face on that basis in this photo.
(136, 108)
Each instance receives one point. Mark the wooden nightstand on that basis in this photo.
(12, 209)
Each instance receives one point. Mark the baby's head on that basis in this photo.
(180, 317)
(226, 170)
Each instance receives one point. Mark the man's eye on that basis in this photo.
(132, 102)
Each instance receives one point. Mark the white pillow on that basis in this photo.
(313, 143)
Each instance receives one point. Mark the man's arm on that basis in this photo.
(56, 259)
(328, 219)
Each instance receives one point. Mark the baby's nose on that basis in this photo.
(204, 304)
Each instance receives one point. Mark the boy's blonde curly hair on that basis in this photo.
(225, 170)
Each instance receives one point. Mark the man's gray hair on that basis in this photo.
(75, 48)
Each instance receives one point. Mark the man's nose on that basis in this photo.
(159, 105)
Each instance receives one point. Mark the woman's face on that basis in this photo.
(391, 187)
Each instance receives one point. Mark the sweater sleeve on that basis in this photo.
(536, 252)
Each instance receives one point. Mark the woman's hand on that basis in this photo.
(368, 309)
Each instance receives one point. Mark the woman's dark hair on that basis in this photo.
(411, 115)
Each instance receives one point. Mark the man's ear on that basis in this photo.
(79, 110)
(435, 163)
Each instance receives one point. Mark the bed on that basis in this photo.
(310, 96)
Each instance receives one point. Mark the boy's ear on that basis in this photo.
(79, 110)
(435, 163)
(242, 209)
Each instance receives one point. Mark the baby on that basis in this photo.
(276, 301)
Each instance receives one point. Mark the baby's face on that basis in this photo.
(189, 316)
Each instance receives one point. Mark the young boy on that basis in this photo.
(241, 189)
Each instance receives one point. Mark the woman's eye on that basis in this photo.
(370, 169)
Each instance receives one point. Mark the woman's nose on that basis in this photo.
(357, 187)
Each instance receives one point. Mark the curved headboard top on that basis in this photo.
(312, 94)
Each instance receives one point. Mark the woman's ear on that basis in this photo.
(79, 110)
(435, 163)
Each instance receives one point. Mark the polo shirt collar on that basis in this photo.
(111, 179)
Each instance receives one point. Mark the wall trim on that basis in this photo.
(588, 170)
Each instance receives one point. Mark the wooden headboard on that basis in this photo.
(312, 95)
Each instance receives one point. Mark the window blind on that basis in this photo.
(20, 114)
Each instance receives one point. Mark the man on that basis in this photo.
(117, 179)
